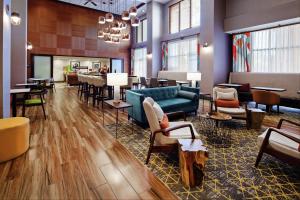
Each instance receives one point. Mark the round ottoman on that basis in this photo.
(14, 137)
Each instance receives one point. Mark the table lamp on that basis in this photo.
(117, 80)
(194, 76)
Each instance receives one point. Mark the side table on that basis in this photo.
(192, 158)
(117, 107)
(202, 96)
(256, 117)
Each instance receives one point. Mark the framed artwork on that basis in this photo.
(96, 65)
(75, 64)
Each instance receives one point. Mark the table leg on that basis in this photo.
(103, 115)
(203, 104)
(117, 120)
(132, 121)
(14, 105)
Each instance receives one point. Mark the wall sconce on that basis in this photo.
(29, 46)
(15, 19)
(205, 45)
(149, 55)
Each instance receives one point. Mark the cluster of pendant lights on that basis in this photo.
(112, 30)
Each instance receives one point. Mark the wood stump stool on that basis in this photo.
(192, 158)
(256, 117)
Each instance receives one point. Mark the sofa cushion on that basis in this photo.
(186, 94)
(160, 93)
(175, 103)
(281, 143)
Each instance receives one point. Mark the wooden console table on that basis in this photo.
(192, 158)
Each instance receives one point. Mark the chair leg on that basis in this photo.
(256, 105)
(23, 111)
(43, 109)
(259, 156)
(278, 109)
(148, 155)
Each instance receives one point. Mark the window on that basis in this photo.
(142, 31)
(274, 50)
(140, 62)
(182, 55)
(183, 15)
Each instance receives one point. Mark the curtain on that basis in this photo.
(164, 55)
(241, 51)
(276, 50)
(140, 62)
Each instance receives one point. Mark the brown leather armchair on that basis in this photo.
(267, 98)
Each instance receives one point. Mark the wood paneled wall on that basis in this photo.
(57, 28)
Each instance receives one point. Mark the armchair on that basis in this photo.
(281, 144)
(159, 140)
(236, 112)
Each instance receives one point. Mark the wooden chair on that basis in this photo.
(281, 144)
(37, 101)
(154, 83)
(235, 113)
(143, 82)
(159, 141)
(267, 98)
(172, 83)
(50, 85)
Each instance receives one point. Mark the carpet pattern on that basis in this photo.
(229, 171)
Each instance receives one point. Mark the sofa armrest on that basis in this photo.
(190, 89)
(136, 99)
(187, 94)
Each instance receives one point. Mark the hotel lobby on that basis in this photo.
(150, 99)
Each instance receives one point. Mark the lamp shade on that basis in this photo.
(117, 79)
(194, 76)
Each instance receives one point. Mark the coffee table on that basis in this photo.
(216, 117)
(117, 107)
(192, 158)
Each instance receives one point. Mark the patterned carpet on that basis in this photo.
(229, 172)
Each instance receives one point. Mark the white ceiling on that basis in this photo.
(116, 7)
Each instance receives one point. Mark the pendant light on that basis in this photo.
(107, 39)
(125, 37)
(100, 34)
(115, 25)
(109, 17)
(101, 20)
(133, 10)
(116, 40)
(125, 13)
(135, 21)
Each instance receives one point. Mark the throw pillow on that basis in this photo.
(164, 123)
(225, 95)
(227, 103)
(158, 111)
(245, 87)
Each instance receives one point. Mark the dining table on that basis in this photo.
(14, 93)
(39, 80)
(230, 85)
(272, 89)
(26, 85)
(183, 83)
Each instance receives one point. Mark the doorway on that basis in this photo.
(42, 66)
(117, 65)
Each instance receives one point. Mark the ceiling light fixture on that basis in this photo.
(101, 20)
(135, 21)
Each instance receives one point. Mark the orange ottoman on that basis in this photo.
(14, 137)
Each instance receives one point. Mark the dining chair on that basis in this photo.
(35, 98)
(172, 83)
(154, 83)
(143, 82)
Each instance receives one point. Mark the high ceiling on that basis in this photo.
(114, 6)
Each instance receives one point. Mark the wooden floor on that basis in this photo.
(71, 156)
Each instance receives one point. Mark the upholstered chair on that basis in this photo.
(267, 98)
(165, 140)
(280, 143)
(235, 111)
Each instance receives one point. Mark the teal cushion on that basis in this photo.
(174, 104)
(186, 94)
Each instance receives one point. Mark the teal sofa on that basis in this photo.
(171, 99)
